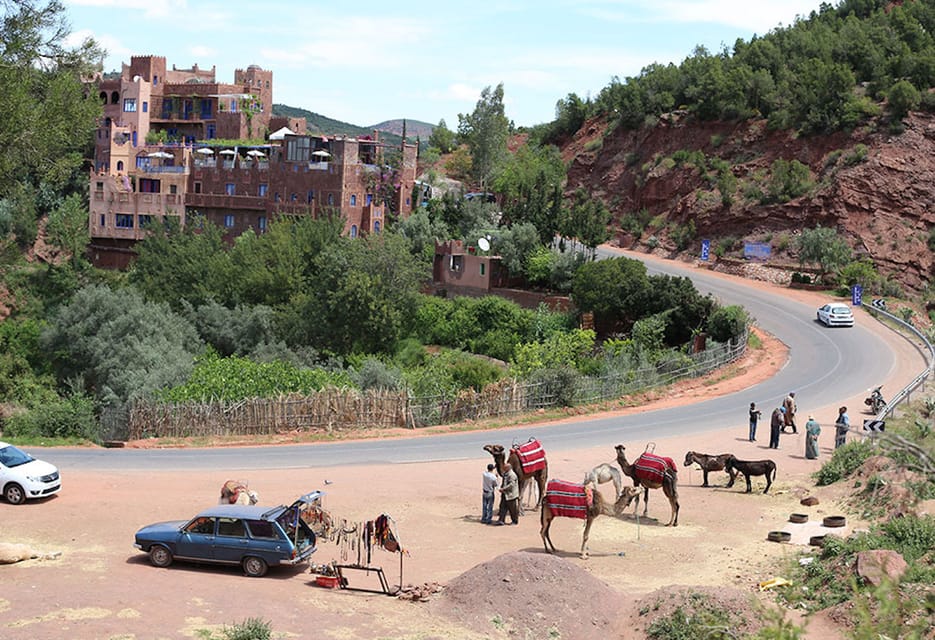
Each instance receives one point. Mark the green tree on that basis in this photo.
(119, 345)
(174, 265)
(48, 114)
(588, 220)
(788, 180)
(612, 289)
(422, 232)
(443, 138)
(726, 323)
(68, 229)
(515, 245)
(902, 98)
(485, 131)
(824, 247)
(530, 184)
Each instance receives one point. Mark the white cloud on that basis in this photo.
(150, 8)
(758, 17)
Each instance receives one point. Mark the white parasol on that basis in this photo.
(257, 153)
(159, 154)
(228, 152)
(321, 153)
(205, 151)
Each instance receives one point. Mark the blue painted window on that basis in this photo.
(230, 189)
(353, 230)
(353, 200)
(145, 107)
(229, 221)
(261, 223)
(263, 189)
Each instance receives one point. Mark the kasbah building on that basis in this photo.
(270, 169)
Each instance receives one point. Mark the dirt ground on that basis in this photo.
(500, 584)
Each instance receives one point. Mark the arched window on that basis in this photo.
(376, 226)
(353, 230)
(114, 97)
(103, 97)
(119, 165)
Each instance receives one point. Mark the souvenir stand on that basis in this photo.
(363, 538)
(356, 542)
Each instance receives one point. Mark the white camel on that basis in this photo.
(605, 473)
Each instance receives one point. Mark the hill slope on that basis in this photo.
(391, 130)
(661, 183)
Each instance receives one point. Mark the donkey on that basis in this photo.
(709, 463)
(605, 473)
(749, 468)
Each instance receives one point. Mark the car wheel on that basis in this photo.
(254, 567)
(160, 556)
(14, 494)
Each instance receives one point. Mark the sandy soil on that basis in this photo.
(101, 587)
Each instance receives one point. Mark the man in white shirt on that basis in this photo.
(490, 481)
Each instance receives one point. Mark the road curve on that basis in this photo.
(824, 366)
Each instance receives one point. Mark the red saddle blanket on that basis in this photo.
(650, 468)
(568, 499)
(531, 456)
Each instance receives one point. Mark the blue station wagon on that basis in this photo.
(253, 537)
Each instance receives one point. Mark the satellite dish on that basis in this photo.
(484, 244)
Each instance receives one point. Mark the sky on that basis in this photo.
(365, 62)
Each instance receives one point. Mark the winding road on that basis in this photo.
(825, 365)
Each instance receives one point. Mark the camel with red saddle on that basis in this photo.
(528, 463)
(584, 501)
(653, 472)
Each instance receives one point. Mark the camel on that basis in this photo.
(500, 460)
(598, 507)
(237, 492)
(605, 473)
(668, 484)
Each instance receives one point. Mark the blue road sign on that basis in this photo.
(857, 292)
(705, 249)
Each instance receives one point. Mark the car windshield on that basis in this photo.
(10, 456)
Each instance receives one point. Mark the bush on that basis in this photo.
(560, 383)
(845, 460)
(71, 417)
(375, 374)
(726, 323)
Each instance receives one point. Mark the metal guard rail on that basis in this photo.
(919, 380)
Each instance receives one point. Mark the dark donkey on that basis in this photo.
(708, 463)
(751, 468)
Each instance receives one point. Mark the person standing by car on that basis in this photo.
(841, 426)
(490, 482)
(775, 425)
(812, 431)
(789, 414)
(509, 496)
(754, 418)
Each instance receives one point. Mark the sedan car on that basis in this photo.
(251, 536)
(23, 477)
(836, 314)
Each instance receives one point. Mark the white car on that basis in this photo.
(836, 314)
(23, 477)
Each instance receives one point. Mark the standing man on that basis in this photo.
(754, 418)
(490, 488)
(841, 426)
(775, 425)
(812, 431)
(789, 416)
(509, 496)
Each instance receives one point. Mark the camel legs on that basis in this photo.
(671, 491)
(584, 540)
(645, 501)
(546, 524)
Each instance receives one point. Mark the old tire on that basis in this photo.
(798, 518)
(779, 536)
(254, 567)
(817, 541)
(14, 494)
(833, 521)
(160, 556)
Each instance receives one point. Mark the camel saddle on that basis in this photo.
(531, 455)
(651, 468)
(568, 499)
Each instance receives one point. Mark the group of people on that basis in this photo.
(508, 487)
(783, 418)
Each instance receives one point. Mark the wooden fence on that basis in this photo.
(334, 409)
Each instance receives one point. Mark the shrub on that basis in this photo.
(560, 383)
(844, 461)
(682, 235)
(727, 323)
(374, 374)
(249, 629)
(594, 145)
(857, 155)
(71, 417)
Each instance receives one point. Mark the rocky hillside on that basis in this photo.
(876, 188)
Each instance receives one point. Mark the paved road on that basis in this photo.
(825, 365)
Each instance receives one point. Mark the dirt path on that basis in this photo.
(101, 587)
